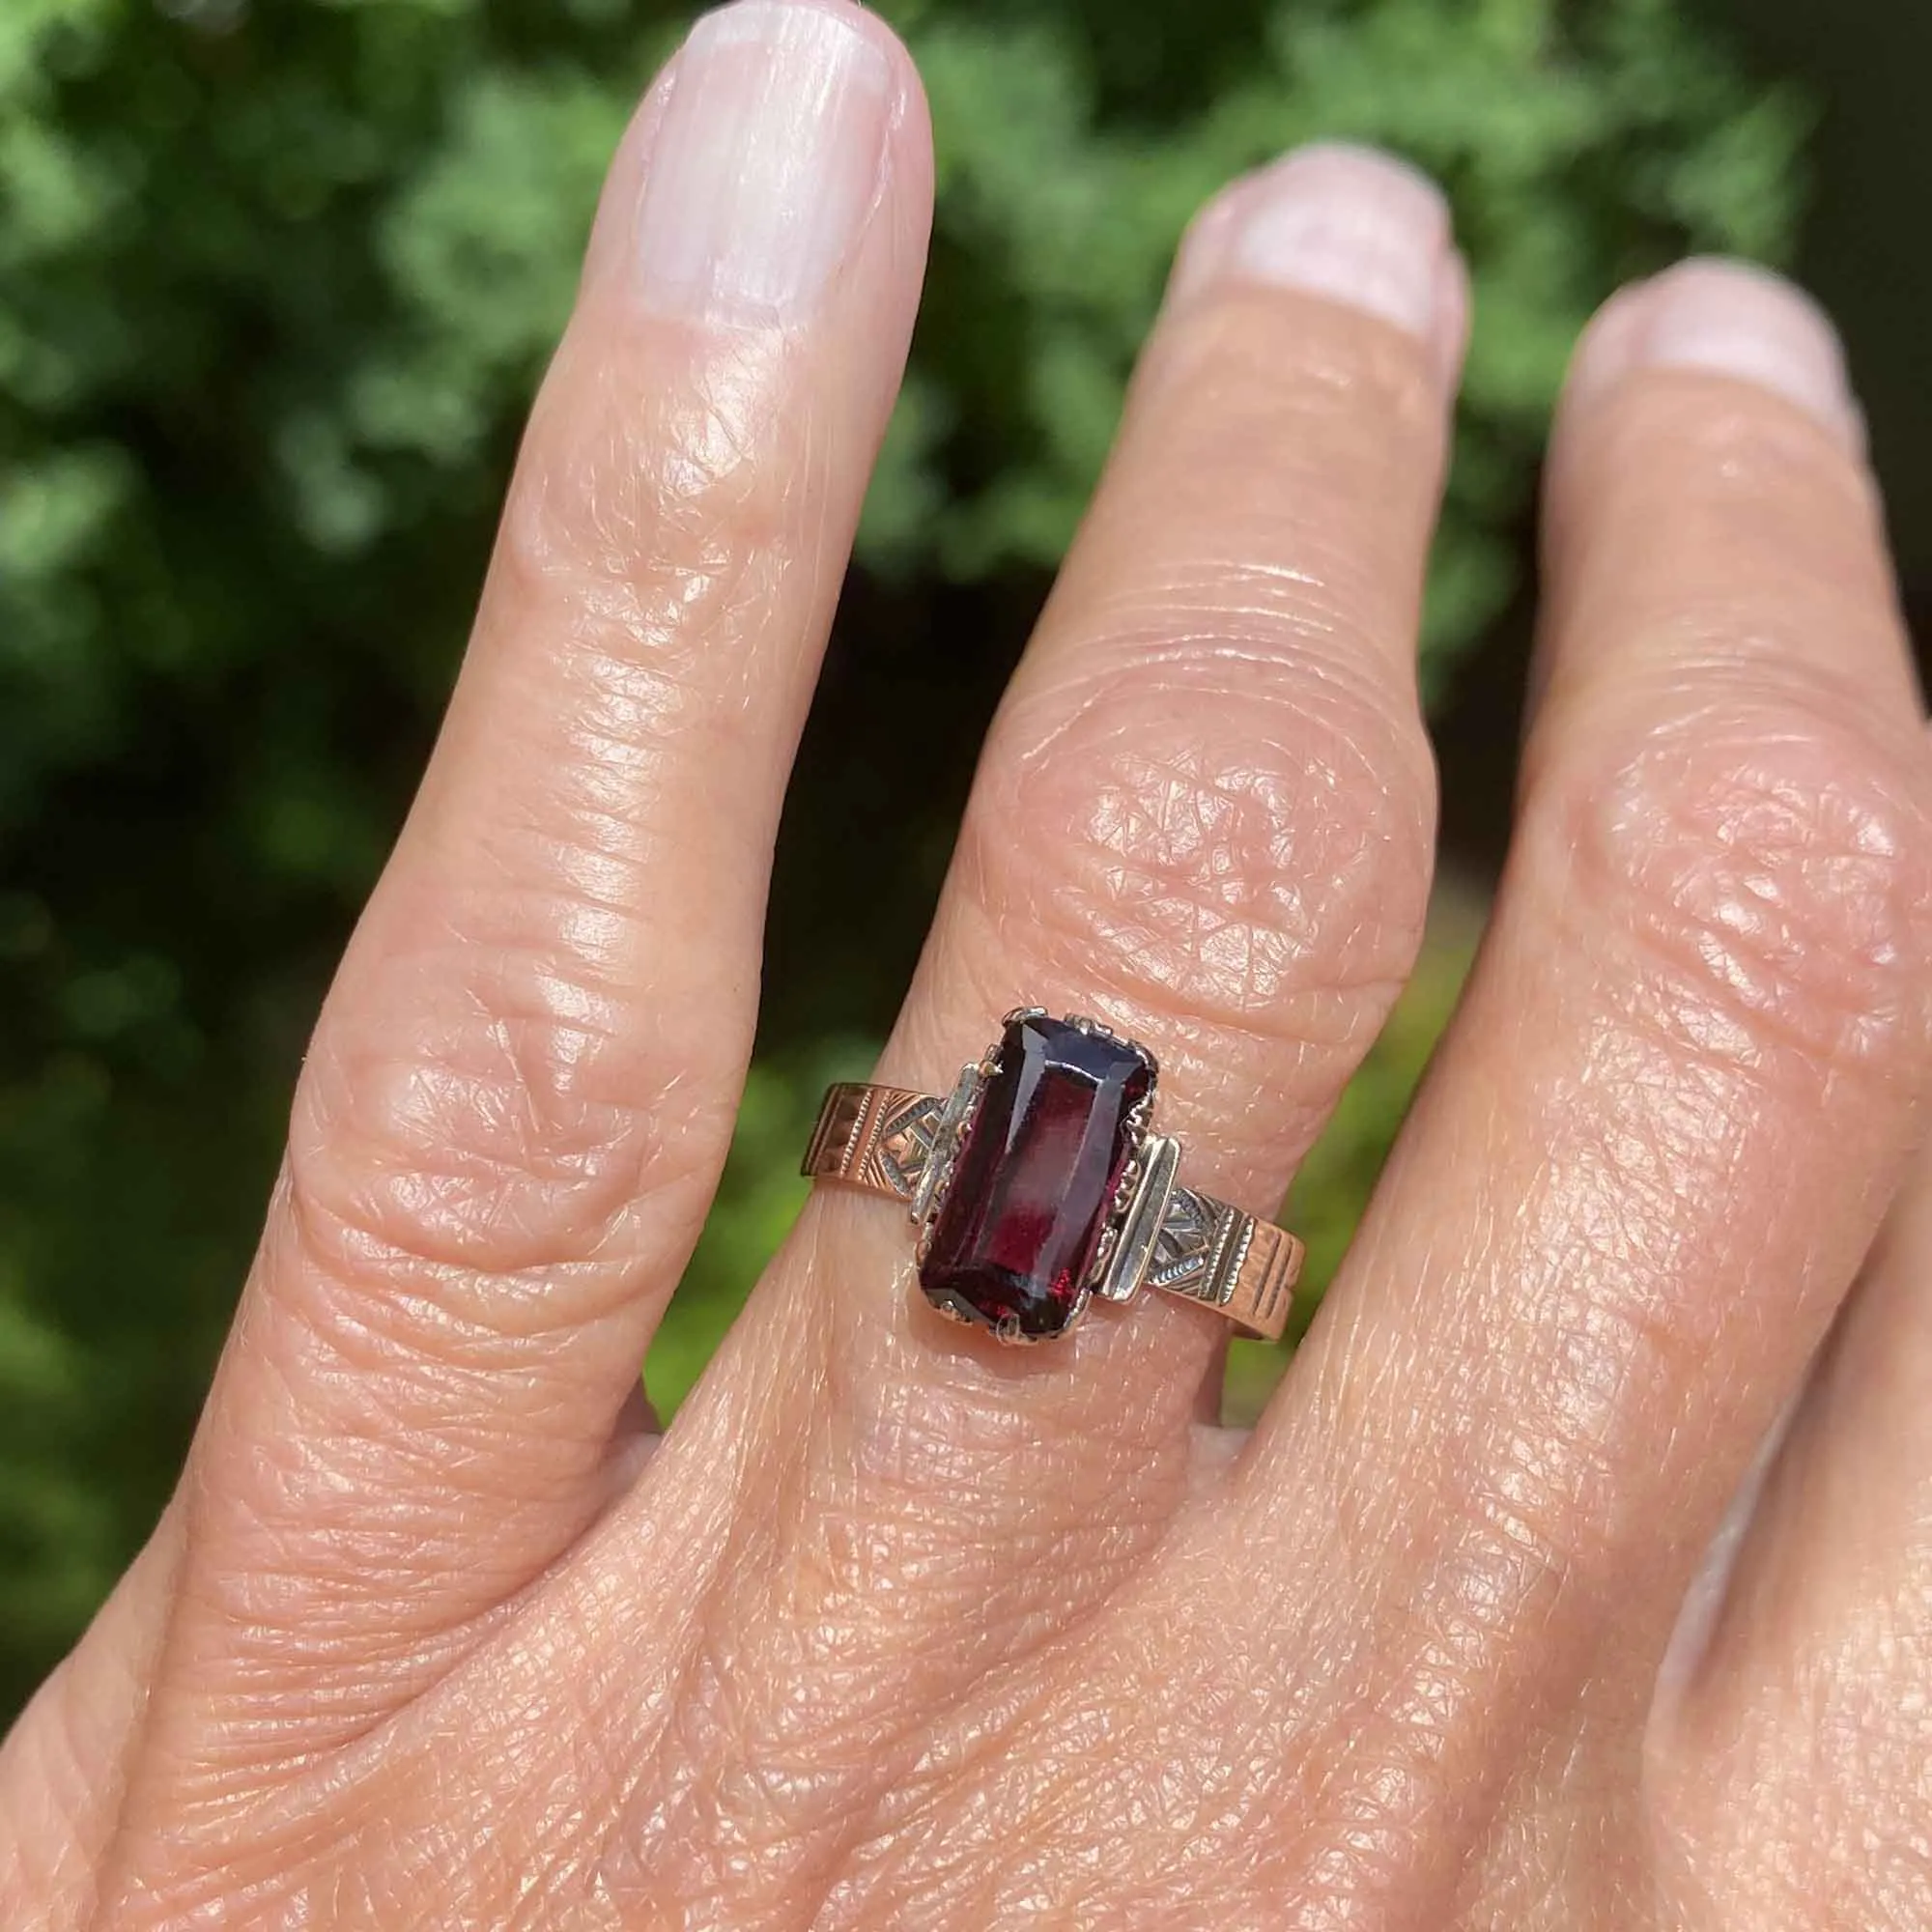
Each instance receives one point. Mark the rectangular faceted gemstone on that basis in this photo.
(1016, 1233)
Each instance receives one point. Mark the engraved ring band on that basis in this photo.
(1038, 1185)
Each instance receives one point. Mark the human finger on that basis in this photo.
(1653, 1149)
(1205, 810)
(1793, 1729)
(1204, 815)
(522, 1086)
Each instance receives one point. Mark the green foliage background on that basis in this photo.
(276, 281)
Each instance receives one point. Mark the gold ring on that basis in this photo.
(1038, 1185)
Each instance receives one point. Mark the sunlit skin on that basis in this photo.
(1489, 1623)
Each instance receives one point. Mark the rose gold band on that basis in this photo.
(1244, 1268)
(872, 1136)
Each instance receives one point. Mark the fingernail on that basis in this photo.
(1351, 224)
(766, 163)
(1732, 320)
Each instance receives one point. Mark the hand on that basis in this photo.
(895, 1627)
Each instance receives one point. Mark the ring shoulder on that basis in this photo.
(878, 1138)
(1242, 1268)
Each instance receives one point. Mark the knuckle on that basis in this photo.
(1771, 857)
(659, 511)
(1715, 522)
(1227, 389)
(1740, 445)
(521, 1127)
(1211, 835)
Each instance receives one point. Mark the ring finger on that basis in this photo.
(1205, 816)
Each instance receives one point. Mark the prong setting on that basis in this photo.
(1084, 1023)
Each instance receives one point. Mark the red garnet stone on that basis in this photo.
(1015, 1236)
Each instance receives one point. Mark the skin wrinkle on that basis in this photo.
(73, 1743)
(1219, 580)
(1764, 512)
(1479, 1604)
(761, 592)
(601, 1678)
(1176, 662)
(1536, 1246)
(1319, 611)
(1778, 1708)
(856, 1607)
(1190, 852)
(558, 1057)
(1133, 676)
(463, 1249)
(622, 458)
(254, 1766)
(1574, 1423)
(450, 1451)
(1028, 1752)
(147, 1894)
(523, 1091)
(1251, 363)
(528, 1091)
(1058, 1762)
(1187, 627)
(1797, 1744)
